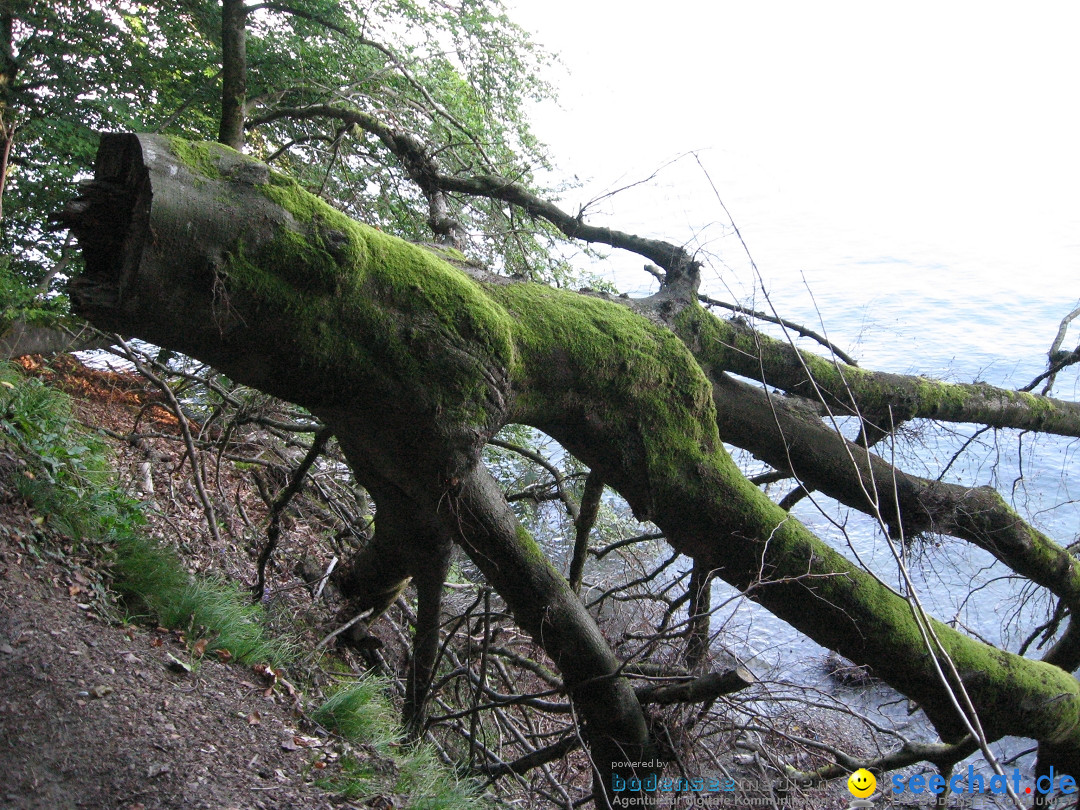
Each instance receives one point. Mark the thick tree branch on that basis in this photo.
(699, 690)
(732, 346)
(783, 435)
(583, 523)
(20, 338)
(683, 271)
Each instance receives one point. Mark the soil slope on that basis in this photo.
(95, 714)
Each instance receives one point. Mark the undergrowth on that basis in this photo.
(66, 476)
(363, 715)
(63, 471)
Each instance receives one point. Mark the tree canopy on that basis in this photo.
(282, 258)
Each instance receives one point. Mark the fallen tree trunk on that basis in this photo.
(20, 338)
(415, 364)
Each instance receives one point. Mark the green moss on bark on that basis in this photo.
(200, 157)
(618, 373)
(363, 299)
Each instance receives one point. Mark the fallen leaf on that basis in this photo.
(199, 648)
(289, 744)
(176, 665)
(318, 765)
(224, 656)
(268, 674)
(254, 719)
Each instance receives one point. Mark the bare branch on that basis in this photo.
(699, 690)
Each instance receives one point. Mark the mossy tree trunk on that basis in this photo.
(415, 364)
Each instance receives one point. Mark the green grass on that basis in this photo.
(152, 577)
(363, 714)
(68, 480)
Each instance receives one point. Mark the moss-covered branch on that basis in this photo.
(785, 436)
(728, 345)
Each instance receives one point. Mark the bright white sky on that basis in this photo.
(944, 133)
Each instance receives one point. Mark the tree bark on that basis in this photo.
(848, 390)
(233, 73)
(414, 365)
(21, 338)
(789, 438)
(699, 616)
(583, 524)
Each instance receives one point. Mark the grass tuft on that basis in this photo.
(68, 479)
(363, 714)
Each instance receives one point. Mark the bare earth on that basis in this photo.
(93, 715)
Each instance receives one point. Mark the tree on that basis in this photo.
(415, 363)
(415, 358)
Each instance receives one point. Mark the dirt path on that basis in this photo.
(95, 715)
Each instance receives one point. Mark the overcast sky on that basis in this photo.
(945, 134)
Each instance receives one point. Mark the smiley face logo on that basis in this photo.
(862, 783)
